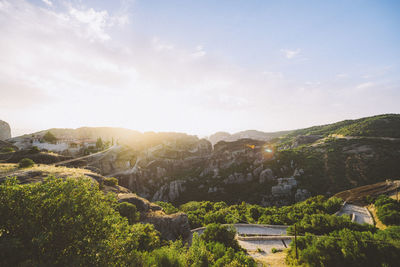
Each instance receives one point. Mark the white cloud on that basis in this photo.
(289, 54)
(342, 75)
(47, 2)
(199, 52)
(365, 85)
(160, 45)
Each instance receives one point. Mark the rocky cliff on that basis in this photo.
(179, 168)
(5, 130)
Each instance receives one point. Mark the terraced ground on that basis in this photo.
(358, 214)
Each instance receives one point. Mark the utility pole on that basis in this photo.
(295, 241)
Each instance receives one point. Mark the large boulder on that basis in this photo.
(171, 227)
(5, 130)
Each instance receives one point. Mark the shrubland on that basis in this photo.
(70, 222)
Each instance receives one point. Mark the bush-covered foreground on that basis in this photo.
(347, 248)
(72, 223)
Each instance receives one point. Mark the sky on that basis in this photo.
(196, 66)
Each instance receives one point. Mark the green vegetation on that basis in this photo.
(7, 150)
(275, 250)
(50, 138)
(388, 210)
(99, 144)
(386, 125)
(222, 234)
(61, 222)
(319, 224)
(71, 222)
(26, 163)
(110, 181)
(34, 150)
(167, 207)
(128, 211)
(346, 248)
(206, 212)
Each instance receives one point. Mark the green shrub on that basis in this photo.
(388, 210)
(7, 150)
(34, 150)
(50, 138)
(110, 181)
(221, 233)
(275, 250)
(62, 223)
(128, 211)
(26, 163)
(167, 207)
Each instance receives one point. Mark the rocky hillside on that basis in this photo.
(319, 160)
(5, 130)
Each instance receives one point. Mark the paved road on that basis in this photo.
(254, 229)
(358, 214)
(100, 153)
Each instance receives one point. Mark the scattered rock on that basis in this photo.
(266, 175)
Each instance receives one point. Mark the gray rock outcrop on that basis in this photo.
(172, 226)
(266, 175)
(5, 130)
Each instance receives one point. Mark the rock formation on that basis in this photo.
(5, 130)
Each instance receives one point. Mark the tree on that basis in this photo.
(62, 223)
(129, 211)
(99, 143)
(50, 138)
(222, 234)
(26, 163)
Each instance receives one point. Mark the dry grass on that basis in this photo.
(272, 259)
(7, 167)
(378, 223)
(59, 171)
(10, 169)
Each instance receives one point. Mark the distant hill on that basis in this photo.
(120, 135)
(386, 125)
(249, 134)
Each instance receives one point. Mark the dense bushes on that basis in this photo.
(206, 212)
(167, 207)
(71, 223)
(388, 210)
(324, 223)
(221, 233)
(61, 222)
(128, 211)
(26, 163)
(345, 248)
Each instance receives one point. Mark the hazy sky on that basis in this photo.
(197, 66)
